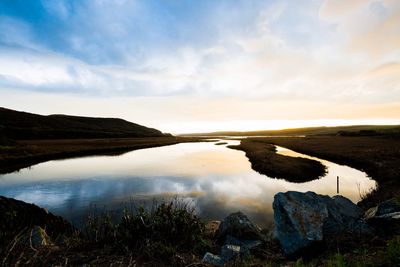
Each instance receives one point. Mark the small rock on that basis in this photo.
(238, 234)
(213, 259)
(386, 207)
(245, 245)
(230, 252)
(239, 226)
(385, 217)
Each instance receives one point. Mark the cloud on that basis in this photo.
(372, 28)
(60, 9)
(334, 9)
(247, 57)
(16, 33)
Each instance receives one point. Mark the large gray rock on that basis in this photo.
(347, 207)
(303, 220)
(239, 226)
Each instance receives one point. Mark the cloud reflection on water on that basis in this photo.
(217, 180)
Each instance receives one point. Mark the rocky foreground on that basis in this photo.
(308, 226)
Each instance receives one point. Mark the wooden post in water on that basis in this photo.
(337, 184)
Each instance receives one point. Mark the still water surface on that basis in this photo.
(214, 179)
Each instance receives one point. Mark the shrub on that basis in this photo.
(156, 233)
(337, 261)
(393, 252)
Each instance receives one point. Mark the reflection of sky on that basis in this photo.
(216, 179)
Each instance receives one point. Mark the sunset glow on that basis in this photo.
(184, 66)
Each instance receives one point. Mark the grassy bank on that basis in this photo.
(167, 234)
(378, 156)
(170, 234)
(24, 153)
(265, 160)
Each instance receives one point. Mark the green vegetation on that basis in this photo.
(392, 255)
(156, 233)
(337, 261)
(265, 160)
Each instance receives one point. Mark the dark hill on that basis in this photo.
(23, 125)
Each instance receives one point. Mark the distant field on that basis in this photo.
(356, 130)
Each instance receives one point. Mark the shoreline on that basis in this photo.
(265, 160)
(26, 153)
(321, 147)
(378, 157)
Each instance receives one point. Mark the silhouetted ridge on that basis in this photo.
(23, 125)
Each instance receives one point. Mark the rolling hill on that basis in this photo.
(356, 130)
(22, 125)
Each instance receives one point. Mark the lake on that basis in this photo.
(214, 179)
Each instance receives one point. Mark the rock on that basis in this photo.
(230, 252)
(245, 245)
(386, 207)
(239, 226)
(213, 259)
(390, 216)
(17, 215)
(238, 236)
(305, 219)
(347, 207)
(385, 217)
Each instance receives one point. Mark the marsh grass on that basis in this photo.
(264, 159)
(392, 254)
(378, 156)
(160, 233)
(156, 232)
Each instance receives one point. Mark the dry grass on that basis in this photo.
(166, 234)
(378, 156)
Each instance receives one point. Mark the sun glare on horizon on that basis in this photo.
(248, 125)
(198, 66)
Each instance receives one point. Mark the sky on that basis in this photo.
(197, 66)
